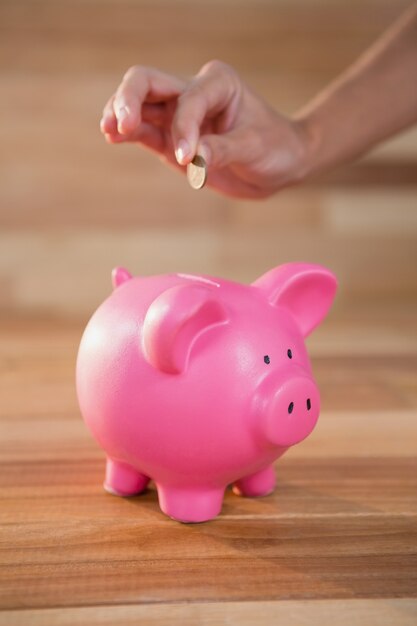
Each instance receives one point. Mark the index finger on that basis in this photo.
(142, 84)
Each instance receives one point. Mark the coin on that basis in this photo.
(197, 172)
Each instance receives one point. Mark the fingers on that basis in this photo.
(142, 84)
(147, 134)
(215, 91)
(208, 104)
(108, 123)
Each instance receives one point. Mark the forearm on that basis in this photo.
(374, 99)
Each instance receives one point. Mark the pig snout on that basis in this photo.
(292, 411)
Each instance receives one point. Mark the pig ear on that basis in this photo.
(119, 275)
(307, 291)
(175, 320)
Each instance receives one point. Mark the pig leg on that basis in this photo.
(260, 484)
(122, 479)
(190, 504)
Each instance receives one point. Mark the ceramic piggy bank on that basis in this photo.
(197, 382)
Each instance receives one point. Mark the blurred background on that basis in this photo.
(72, 207)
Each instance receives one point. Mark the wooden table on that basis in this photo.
(335, 544)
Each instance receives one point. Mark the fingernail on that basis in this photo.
(182, 151)
(122, 113)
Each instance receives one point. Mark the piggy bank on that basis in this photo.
(198, 383)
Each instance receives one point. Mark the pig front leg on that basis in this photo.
(122, 479)
(260, 484)
(190, 504)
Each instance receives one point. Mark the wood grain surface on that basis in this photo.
(336, 542)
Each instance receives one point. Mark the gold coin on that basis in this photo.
(197, 172)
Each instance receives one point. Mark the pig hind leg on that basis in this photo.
(123, 480)
(260, 484)
(190, 504)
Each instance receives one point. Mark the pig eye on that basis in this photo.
(267, 360)
(289, 353)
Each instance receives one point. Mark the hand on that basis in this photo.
(251, 151)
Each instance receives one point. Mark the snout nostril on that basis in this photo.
(308, 404)
(290, 407)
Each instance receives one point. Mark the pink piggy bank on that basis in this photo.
(198, 382)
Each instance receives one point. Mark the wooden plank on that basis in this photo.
(45, 151)
(401, 612)
(291, 38)
(241, 251)
(346, 254)
(364, 375)
(116, 563)
(45, 490)
(339, 434)
(389, 173)
(378, 213)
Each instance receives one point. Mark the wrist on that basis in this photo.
(290, 155)
(298, 159)
(310, 136)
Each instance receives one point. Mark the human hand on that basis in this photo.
(250, 150)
